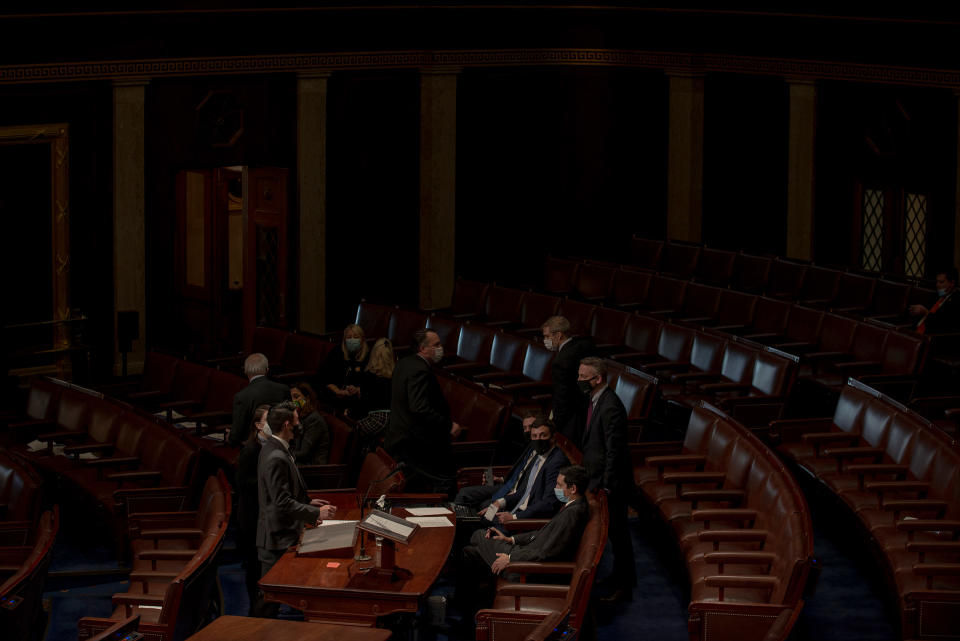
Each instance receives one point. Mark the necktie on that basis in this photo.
(531, 479)
(523, 473)
(586, 430)
(922, 325)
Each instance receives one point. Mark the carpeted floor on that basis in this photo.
(845, 606)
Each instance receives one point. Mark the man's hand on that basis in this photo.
(917, 310)
(502, 560)
(455, 430)
(497, 535)
(319, 502)
(505, 517)
(326, 512)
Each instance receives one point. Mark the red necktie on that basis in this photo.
(922, 325)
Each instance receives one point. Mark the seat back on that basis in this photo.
(305, 353)
(537, 308)
(737, 363)
(486, 417)
(475, 342)
(537, 362)
(342, 439)
(751, 273)
(665, 293)
(869, 342)
(714, 267)
(629, 288)
(593, 282)
(609, 326)
(507, 352)
(130, 430)
(158, 372)
(637, 391)
(468, 297)
(889, 298)
(104, 421)
(645, 252)
(735, 308)
(73, 411)
(373, 318)
(772, 373)
(675, 343)
(706, 353)
(403, 323)
(678, 259)
(700, 301)
(643, 334)
(803, 324)
(903, 353)
(820, 284)
(503, 305)
(836, 333)
(191, 382)
(579, 314)
(771, 315)
(379, 465)
(786, 279)
(854, 292)
(448, 329)
(559, 275)
(223, 387)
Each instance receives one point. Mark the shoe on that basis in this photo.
(620, 595)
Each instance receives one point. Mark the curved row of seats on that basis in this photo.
(26, 541)
(102, 453)
(739, 520)
(173, 578)
(899, 476)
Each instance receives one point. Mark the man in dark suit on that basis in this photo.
(420, 428)
(606, 456)
(568, 402)
(491, 550)
(259, 391)
(943, 314)
(527, 492)
(284, 503)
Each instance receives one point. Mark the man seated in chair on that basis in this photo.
(490, 550)
(527, 492)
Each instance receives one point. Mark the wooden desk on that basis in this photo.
(341, 594)
(254, 629)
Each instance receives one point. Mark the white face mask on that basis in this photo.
(437, 354)
(941, 293)
(548, 343)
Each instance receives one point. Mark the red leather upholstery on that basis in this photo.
(714, 267)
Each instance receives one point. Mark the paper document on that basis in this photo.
(336, 522)
(216, 436)
(397, 528)
(36, 446)
(431, 521)
(491, 512)
(174, 414)
(428, 511)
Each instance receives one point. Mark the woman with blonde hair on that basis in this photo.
(375, 389)
(342, 372)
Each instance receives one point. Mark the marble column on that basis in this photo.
(129, 240)
(438, 153)
(800, 168)
(312, 190)
(685, 157)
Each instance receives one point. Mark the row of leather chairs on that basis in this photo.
(739, 519)
(173, 580)
(26, 542)
(101, 453)
(292, 355)
(899, 477)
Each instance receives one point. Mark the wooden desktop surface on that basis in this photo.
(254, 629)
(332, 590)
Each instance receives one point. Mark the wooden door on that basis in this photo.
(266, 257)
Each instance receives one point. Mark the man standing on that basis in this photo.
(259, 391)
(607, 459)
(284, 503)
(568, 402)
(420, 428)
(944, 313)
(528, 491)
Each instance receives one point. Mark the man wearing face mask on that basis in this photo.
(527, 492)
(284, 503)
(606, 456)
(259, 391)
(491, 550)
(566, 399)
(421, 430)
(944, 314)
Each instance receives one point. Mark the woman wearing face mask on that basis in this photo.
(311, 441)
(249, 506)
(342, 372)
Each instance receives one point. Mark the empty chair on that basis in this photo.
(750, 273)
(889, 300)
(735, 312)
(820, 285)
(535, 311)
(403, 323)
(593, 282)
(468, 298)
(448, 329)
(506, 355)
(665, 296)
(786, 279)
(473, 345)
(502, 306)
(559, 275)
(373, 318)
(579, 314)
(854, 293)
(629, 288)
(303, 356)
(645, 252)
(714, 267)
(678, 259)
(608, 328)
(700, 304)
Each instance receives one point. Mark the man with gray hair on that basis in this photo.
(568, 402)
(259, 391)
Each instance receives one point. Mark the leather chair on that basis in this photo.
(735, 312)
(448, 329)
(559, 275)
(403, 324)
(803, 327)
(473, 345)
(889, 301)
(579, 314)
(714, 267)
(506, 355)
(854, 293)
(678, 259)
(700, 304)
(645, 252)
(608, 328)
(373, 318)
(535, 311)
(593, 282)
(302, 357)
(751, 273)
(629, 289)
(673, 345)
(24, 571)
(503, 306)
(820, 285)
(467, 300)
(664, 297)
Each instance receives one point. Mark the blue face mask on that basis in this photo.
(353, 345)
(560, 495)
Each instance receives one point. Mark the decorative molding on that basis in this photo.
(139, 71)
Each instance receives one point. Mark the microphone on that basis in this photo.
(399, 467)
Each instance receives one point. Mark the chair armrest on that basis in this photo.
(676, 459)
(885, 487)
(791, 429)
(531, 567)
(695, 496)
(182, 403)
(140, 475)
(152, 576)
(740, 558)
(486, 376)
(725, 387)
(88, 447)
(852, 367)
(172, 533)
(933, 546)
(166, 555)
(520, 590)
(209, 416)
(734, 581)
(680, 478)
(62, 435)
(527, 385)
(854, 452)
(733, 536)
(128, 599)
(938, 506)
(744, 515)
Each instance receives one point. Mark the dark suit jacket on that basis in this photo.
(558, 539)
(312, 445)
(419, 431)
(606, 454)
(543, 502)
(568, 400)
(260, 391)
(947, 316)
(284, 504)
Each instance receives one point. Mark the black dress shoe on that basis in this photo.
(620, 595)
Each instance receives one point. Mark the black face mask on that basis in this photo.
(540, 446)
(585, 387)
